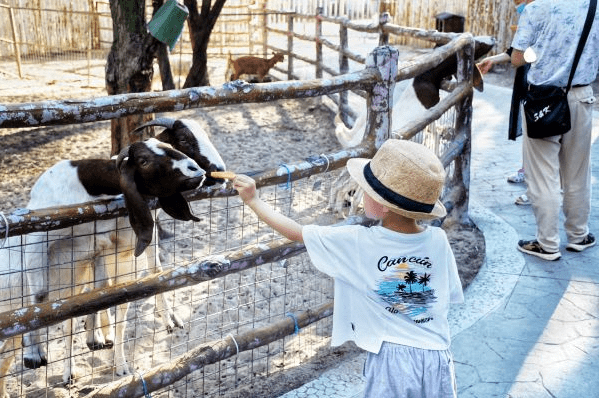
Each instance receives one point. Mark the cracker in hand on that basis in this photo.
(225, 175)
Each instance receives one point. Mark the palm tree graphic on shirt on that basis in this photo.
(424, 280)
(392, 290)
(410, 278)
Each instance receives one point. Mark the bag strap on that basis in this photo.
(584, 35)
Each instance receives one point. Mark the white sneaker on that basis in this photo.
(523, 200)
(518, 177)
(586, 242)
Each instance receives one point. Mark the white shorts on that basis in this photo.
(407, 372)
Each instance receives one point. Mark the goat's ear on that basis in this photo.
(177, 207)
(140, 216)
(426, 91)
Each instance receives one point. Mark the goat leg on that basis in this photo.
(98, 326)
(170, 319)
(122, 368)
(34, 354)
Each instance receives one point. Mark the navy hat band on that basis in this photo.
(393, 197)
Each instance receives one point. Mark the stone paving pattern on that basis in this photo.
(529, 327)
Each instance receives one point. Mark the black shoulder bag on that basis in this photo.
(546, 107)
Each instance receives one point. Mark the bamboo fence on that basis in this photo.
(35, 32)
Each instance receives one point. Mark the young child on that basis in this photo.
(393, 282)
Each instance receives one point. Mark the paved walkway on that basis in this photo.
(528, 328)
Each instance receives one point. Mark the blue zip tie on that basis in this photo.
(289, 180)
(146, 393)
(296, 328)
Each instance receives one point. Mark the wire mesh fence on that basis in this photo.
(229, 306)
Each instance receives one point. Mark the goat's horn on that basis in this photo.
(162, 121)
(122, 156)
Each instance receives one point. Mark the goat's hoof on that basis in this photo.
(69, 379)
(177, 321)
(100, 346)
(34, 363)
(171, 328)
(122, 370)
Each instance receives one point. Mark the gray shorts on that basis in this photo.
(406, 372)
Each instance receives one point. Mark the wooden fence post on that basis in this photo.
(460, 179)
(318, 45)
(265, 31)
(384, 37)
(290, 46)
(15, 41)
(343, 105)
(380, 100)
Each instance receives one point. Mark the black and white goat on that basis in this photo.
(412, 97)
(103, 252)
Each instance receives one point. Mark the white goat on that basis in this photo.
(101, 252)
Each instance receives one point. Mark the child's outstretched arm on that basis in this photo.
(287, 227)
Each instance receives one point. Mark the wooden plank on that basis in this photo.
(49, 113)
(166, 374)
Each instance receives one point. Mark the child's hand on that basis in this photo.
(485, 66)
(246, 187)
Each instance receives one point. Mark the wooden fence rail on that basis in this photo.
(383, 29)
(61, 112)
(166, 374)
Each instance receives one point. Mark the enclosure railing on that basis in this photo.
(287, 40)
(377, 80)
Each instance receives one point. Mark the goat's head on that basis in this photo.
(187, 136)
(154, 169)
(278, 57)
(427, 84)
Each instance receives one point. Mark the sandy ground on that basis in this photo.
(249, 137)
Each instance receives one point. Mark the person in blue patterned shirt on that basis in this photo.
(551, 29)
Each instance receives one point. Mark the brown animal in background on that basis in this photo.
(252, 66)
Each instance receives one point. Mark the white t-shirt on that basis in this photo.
(389, 286)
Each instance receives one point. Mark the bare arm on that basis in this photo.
(486, 64)
(517, 58)
(287, 227)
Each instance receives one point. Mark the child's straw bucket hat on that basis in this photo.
(404, 176)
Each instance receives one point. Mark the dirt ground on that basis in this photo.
(248, 136)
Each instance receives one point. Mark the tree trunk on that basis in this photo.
(201, 25)
(164, 65)
(129, 66)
